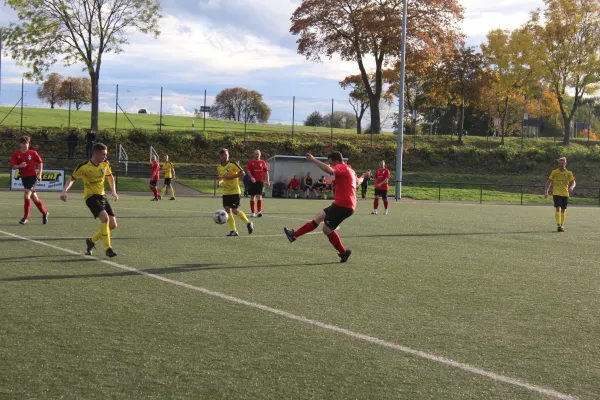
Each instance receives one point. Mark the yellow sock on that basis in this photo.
(162, 191)
(172, 192)
(105, 235)
(558, 218)
(97, 236)
(231, 222)
(562, 218)
(243, 216)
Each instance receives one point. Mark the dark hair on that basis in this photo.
(336, 156)
(223, 151)
(99, 147)
(25, 139)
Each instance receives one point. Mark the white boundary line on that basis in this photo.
(370, 339)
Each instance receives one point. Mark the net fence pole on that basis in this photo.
(401, 107)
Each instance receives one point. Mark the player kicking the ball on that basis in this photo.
(93, 173)
(343, 206)
(25, 161)
(229, 177)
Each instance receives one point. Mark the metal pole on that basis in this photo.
(401, 107)
(331, 122)
(160, 121)
(204, 110)
(116, 109)
(589, 124)
(22, 98)
(70, 95)
(293, 116)
(245, 116)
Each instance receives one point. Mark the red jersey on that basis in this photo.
(155, 173)
(257, 169)
(32, 158)
(294, 184)
(381, 175)
(345, 186)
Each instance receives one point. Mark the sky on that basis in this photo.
(214, 44)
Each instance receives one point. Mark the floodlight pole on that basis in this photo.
(401, 107)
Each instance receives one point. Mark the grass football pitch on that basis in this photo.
(436, 301)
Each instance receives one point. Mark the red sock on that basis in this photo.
(259, 205)
(40, 206)
(307, 227)
(385, 204)
(155, 193)
(336, 241)
(252, 203)
(376, 203)
(27, 208)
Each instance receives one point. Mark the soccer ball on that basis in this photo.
(220, 217)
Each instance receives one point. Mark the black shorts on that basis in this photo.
(97, 203)
(154, 182)
(168, 181)
(561, 201)
(231, 200)
(29, 182)
(334, 215)
(381, 193)
(256, 188)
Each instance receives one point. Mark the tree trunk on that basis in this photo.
(462, 121)
(95, 106)
(504, 120)
(567, 136)
(358, 125)
(375, 116)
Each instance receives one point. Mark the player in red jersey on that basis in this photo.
(25, 161)
(257, 171)
(154, 177)
(382, 185)
(343, 206)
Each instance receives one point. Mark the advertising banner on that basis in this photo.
(53, 180)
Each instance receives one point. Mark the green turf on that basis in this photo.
(4, 180)
(491, 286)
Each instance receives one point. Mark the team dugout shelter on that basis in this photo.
(283, 168)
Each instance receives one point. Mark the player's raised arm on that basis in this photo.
(324, 167)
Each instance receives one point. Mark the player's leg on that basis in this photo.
(40, 206)
(375, 202)
(230, 219)
(557, 212)
(334, 218)
(259, 205)
(563, 212)
(163, 190)
(310, 226)
(172, 191)
(252, 201)
(385, 202)
(26, 206)
(235, 203)
(154, 190)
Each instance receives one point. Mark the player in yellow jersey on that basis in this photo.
(93, 173)
(169, 173)
(229, 178)
(563, 183)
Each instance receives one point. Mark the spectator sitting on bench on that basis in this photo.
(309, 185)
(329, 190)
(293, 187)
(320, 186)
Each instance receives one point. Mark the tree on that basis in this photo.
(49, 92)
(78, 90)
(239, 104)
(364, 30)
(314, 119)
(567, 43)
(78, 32)
(340, 119)
(358, 98)
(515, 72)
(466, 78)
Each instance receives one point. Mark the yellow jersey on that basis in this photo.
(561, 180)
(93, 177)
(230, 186)
(168, 169)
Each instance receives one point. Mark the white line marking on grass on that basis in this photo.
(417, 353)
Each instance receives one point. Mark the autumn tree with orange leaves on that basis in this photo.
(369, 32)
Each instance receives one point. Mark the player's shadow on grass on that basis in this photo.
(450, 234)
(118, 274)
(211, 267)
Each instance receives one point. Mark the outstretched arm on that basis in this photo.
(324, 167)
